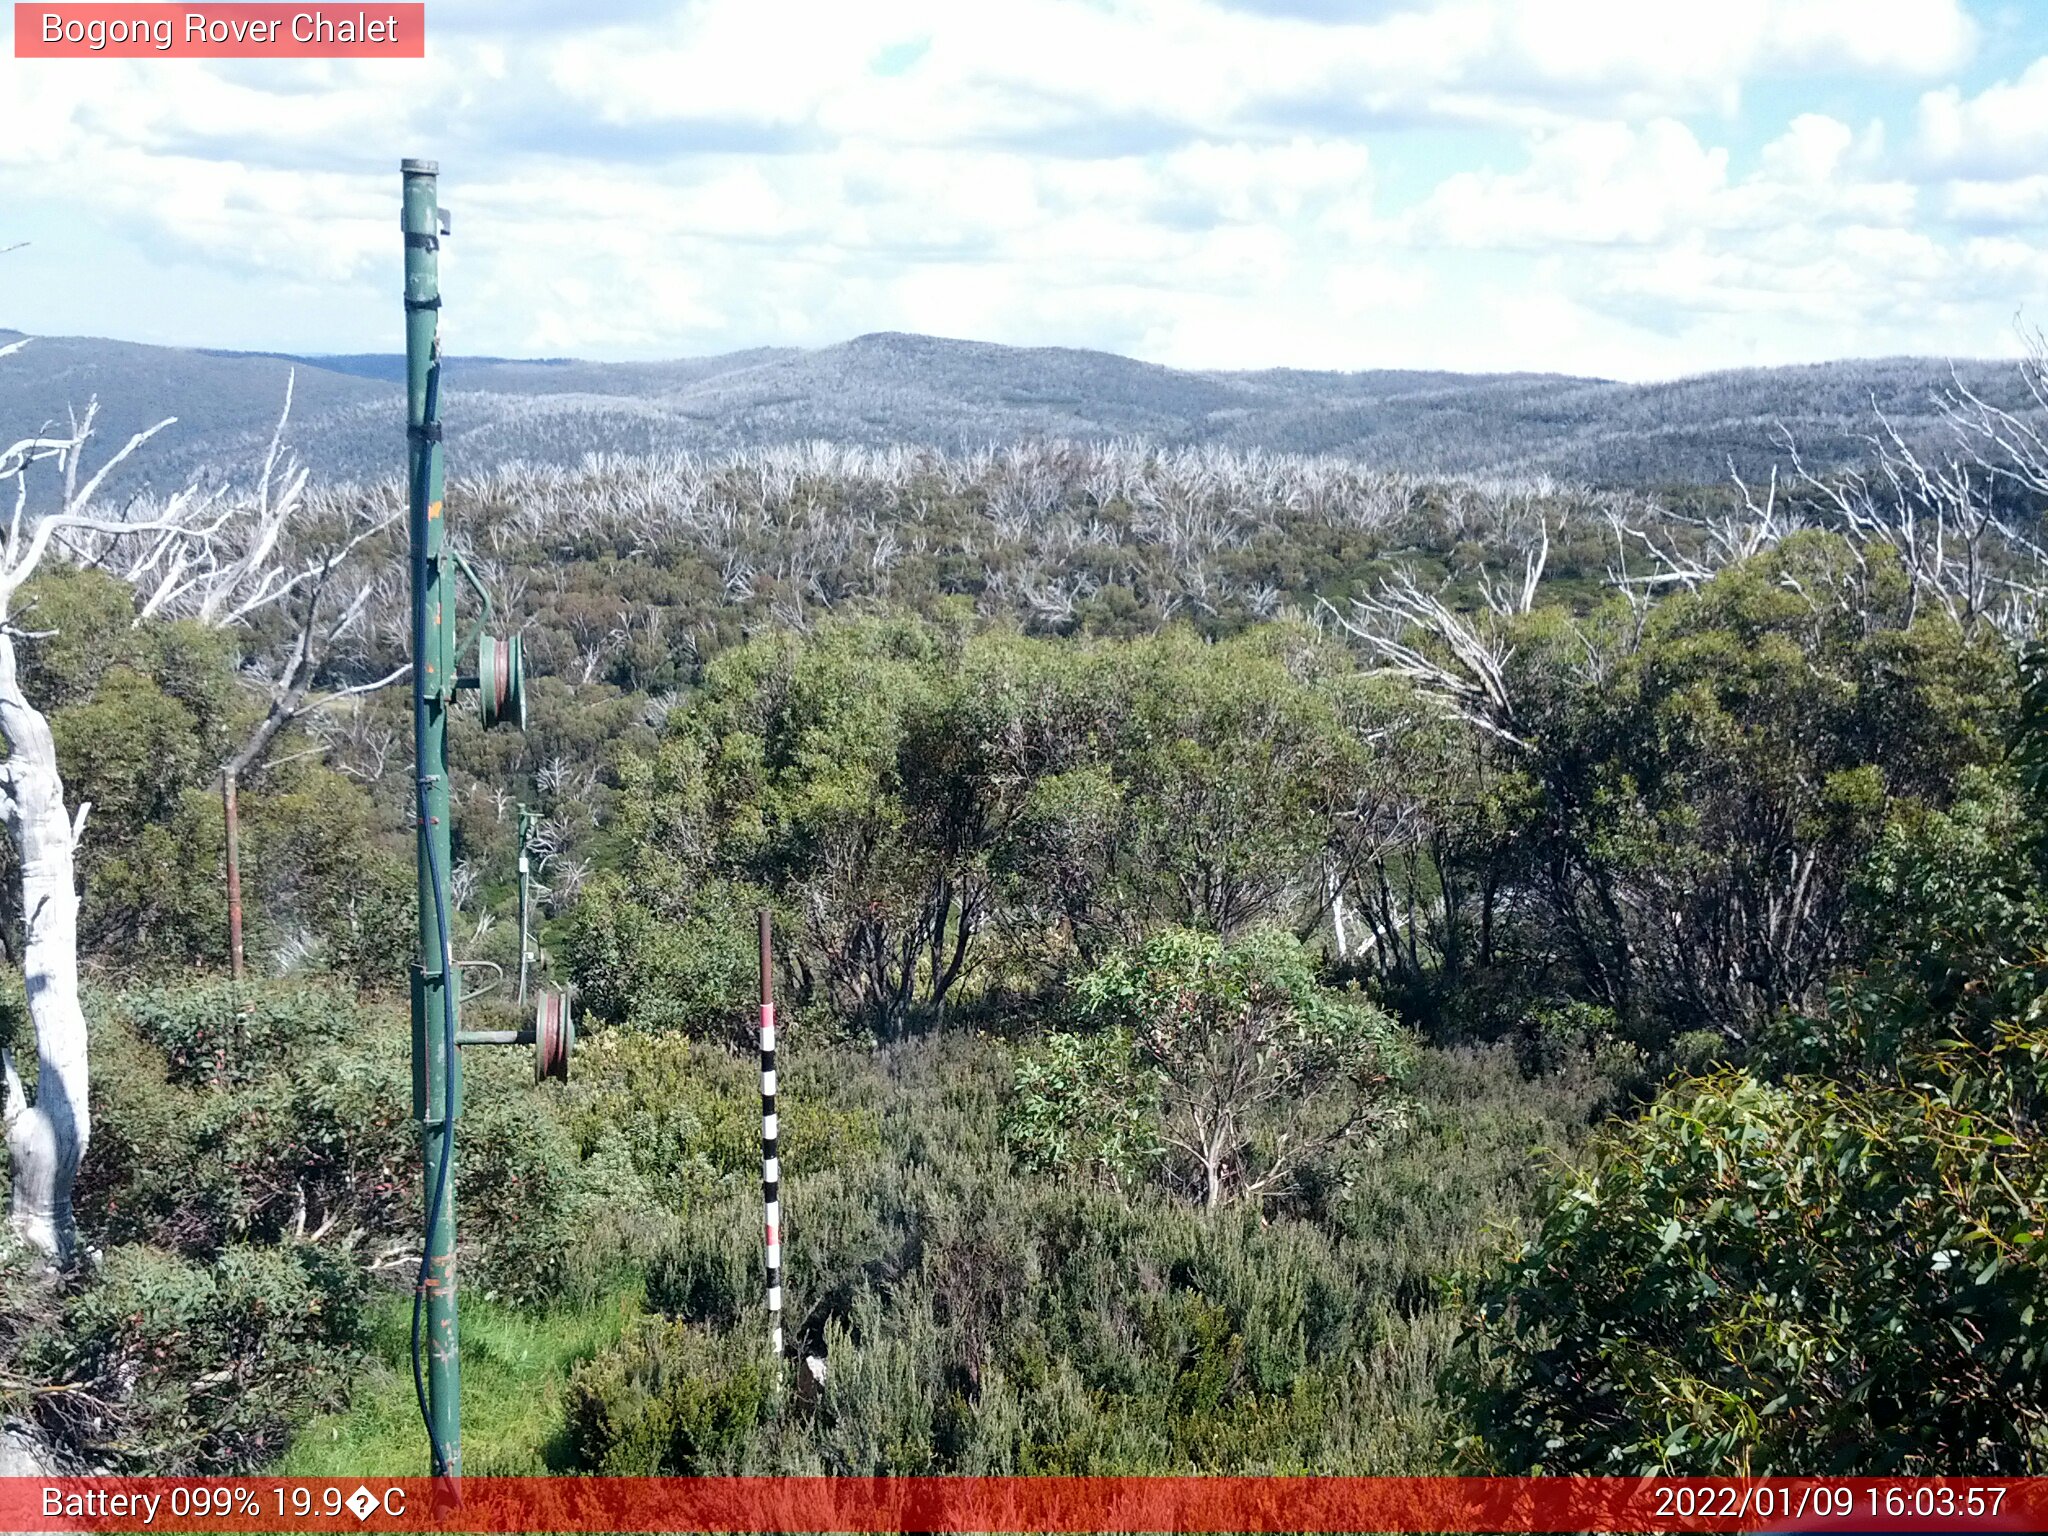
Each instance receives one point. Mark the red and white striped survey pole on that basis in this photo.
(771, 1164)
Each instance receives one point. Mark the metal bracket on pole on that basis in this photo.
(483, 594)
(552, 1036)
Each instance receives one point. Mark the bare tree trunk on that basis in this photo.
(46, 1140)
(1215, 1147)
(231, 814)
(1335, 882)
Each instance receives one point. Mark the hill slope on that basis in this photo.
(889, 388)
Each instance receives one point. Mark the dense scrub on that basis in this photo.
(144, 717)
(1833, 1259)
(1245, 1008)
(976, 1317)
(1664, 824)
(247, 1180)
(255, 1190)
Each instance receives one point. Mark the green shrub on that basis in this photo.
(647, 1161)
(668, 1400)
(691, 971)
(1560, 1037)
(229, 1032)
(302, 1127)
(980, 1318)
(690, 1113)
(879, 1407)
(715, 1269)
(1084, 1104)
(190, 1367)
(545, 1218)
(1794, 1279)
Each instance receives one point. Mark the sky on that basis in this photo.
(1626, 188)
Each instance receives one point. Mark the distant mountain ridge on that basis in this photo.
(891, 387)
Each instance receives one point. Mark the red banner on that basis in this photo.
(1204, 1504)
(369, 30)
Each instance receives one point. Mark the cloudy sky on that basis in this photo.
(1618, 187)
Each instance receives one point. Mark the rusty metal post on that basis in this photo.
(231, 816)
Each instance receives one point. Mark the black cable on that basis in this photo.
(421, 781)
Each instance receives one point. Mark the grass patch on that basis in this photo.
(514, 1365)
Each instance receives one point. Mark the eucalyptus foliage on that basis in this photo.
(1836, 1260)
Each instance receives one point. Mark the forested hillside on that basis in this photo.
(885, 390)
(1287, 966)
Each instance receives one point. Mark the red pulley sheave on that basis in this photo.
(501, 681)
(554, 1037)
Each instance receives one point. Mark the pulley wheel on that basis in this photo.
(554, 1036)
(501, 681)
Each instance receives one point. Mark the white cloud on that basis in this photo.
(1820, 239)
(1592, 183)
(1811, 150)
(1041, 67)
(2018, 202)
(2002, 130)
(1908, 37)
(1197, 182)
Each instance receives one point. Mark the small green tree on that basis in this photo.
(1837, 1260)
(1261, 1070)
(1712, 802)
(807, 746)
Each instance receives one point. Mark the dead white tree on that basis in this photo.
(47, 1139)
(1458, 660)
(288, 687)
(290, 697)
(1955, 517)
(214, 558)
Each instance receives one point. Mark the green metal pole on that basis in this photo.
(436, 1066)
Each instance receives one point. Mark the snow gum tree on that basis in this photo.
(182, 544)
(47, 1138)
